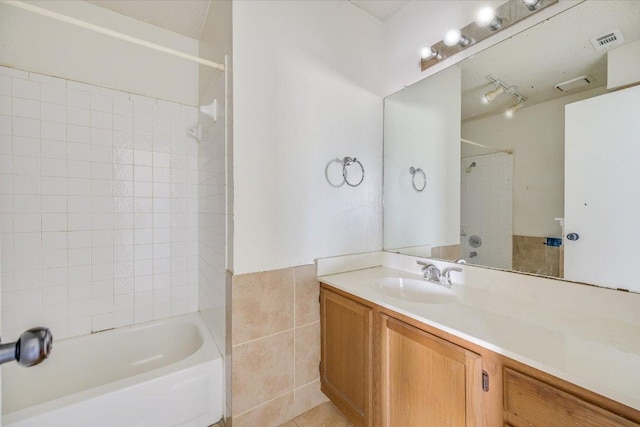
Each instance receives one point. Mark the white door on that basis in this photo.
(602, 189)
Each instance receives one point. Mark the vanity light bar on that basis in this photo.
(485, 25)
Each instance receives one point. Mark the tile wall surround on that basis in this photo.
(212, 217)
(486, 209)
(276, 345)
(99, 206)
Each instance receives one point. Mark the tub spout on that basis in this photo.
(33, 346)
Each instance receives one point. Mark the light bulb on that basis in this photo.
(452, 37)
(532, 4)
(515, 107)
(429, 53)
(486, 17)
(455, 37)
(491, 95)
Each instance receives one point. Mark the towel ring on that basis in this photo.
(347, 162)
(413, 171)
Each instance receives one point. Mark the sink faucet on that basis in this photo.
(433, 274)
(430, 272)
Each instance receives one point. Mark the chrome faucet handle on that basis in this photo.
(422, 263)
(445, 276)
(33, 346)
(448, 270)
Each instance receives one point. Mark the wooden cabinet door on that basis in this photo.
(529, 402)
(427, 381)
(345, 368)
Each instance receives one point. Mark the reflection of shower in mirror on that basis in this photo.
(471, 166)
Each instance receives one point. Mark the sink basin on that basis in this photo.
(415, 290)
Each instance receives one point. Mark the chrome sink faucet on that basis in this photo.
(432, 273)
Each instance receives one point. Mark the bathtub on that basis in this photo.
(163, 373)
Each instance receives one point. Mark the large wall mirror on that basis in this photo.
(522, 157)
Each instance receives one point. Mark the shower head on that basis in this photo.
(471, 166)
(210, 110)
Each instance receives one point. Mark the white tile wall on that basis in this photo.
(98, 205)
(212, 233)
(487, 209)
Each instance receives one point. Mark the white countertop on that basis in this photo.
(599, 353)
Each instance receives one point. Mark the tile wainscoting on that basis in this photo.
(276, 346)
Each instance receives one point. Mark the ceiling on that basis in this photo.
(381, 9)
(186, 17)
(554, 51)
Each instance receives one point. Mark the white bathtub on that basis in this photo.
(163, 373)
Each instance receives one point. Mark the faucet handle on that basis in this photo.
(422, 263)
(445, 276)
(447, 271)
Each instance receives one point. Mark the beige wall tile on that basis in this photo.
(307, 357)
(531, 255)
(262, 370)
(325, 415)
(308, 397)
(451, 252)
(228, 365)
(307, 294)
(262, 304)
(271, 414)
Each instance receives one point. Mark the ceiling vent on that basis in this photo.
(574, 84)
(607, 41)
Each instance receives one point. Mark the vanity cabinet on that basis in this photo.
(425, 380)
(346, 355)
(382, 368)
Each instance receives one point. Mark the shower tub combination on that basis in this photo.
(163, 373)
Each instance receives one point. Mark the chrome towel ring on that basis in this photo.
(347, 162)
(413, 171)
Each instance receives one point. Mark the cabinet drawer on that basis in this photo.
(530, 402)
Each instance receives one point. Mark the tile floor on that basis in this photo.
(324, 415)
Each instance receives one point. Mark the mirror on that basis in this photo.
(495, 190)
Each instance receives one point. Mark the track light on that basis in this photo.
(429, 53)
(486, 17)
(455, 37)
(493, 94)
(515, 107)
(532, 4)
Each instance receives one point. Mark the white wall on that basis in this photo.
(35, 43)
(424, 23)
(98, 201)
(536, 136)
(422, 130)
(307, 85)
